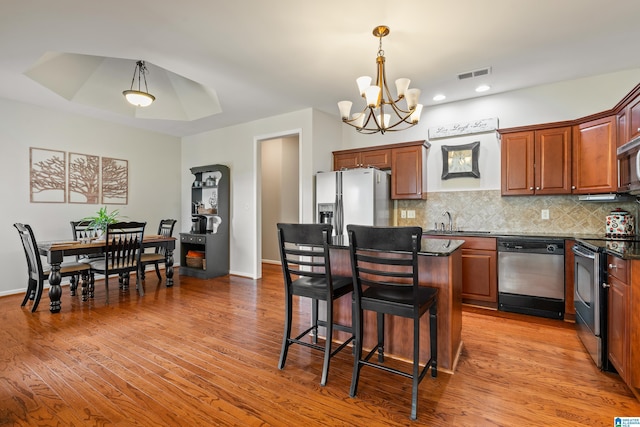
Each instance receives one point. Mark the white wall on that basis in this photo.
(154, 177)
(542, 104)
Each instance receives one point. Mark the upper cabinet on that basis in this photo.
(407, 161)
(536, 162)
(595, 168)
(408, 171)
(362, 158)
(633, 113)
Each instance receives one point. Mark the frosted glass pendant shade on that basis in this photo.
(345, 109)
(363, 83)
(415, 116)
(371, 95)
(412, 96)
(138, 98)
(401, 86)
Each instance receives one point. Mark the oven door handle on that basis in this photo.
(581, 251)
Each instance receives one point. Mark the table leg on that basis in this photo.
(168, 267)
(55, 290)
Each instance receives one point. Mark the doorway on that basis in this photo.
(279, 182)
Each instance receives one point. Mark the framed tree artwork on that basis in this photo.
(84, 184)
(47, 176)
(115, 181)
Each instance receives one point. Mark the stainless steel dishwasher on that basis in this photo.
(531, 276)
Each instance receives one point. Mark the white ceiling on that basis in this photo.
(259, 58)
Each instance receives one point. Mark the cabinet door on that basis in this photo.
(595, 167)
(349, 160)
(623, 129)
(634, 119)
(552, 157)
(517, 161)
(408, 180)
(617, 328)
(380, 159)
(479, 275)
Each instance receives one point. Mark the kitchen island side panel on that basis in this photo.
(441, 272)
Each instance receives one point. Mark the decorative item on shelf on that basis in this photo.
(139, 98)
(374, 117)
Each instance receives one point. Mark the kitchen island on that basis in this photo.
(440, 264)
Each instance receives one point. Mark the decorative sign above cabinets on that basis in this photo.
(456, 129)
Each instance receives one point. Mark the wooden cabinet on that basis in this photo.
(618, 309)
(350, 159)
(479, 269)
(407, 161)
(536, 162)
(623, 129)
(595, 167)
(408, 171)
(633, 110)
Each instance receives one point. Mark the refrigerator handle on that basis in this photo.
(338, 214)
(338, 217)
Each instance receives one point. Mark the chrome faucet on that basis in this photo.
(448, 214)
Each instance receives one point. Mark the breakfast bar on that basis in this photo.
(440, 266)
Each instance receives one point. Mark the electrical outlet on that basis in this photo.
(403, 213)
(545, 213)
(411, 213)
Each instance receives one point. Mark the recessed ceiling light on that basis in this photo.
(483, 88)
(439, 97)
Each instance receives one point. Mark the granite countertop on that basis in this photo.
(428, 247)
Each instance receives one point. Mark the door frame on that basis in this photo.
(257, 167)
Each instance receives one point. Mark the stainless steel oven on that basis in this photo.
(590, 299)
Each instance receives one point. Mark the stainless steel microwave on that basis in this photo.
(629, 167)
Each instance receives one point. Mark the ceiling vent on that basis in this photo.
(474, 73)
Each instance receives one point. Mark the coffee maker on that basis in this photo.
(198, 224)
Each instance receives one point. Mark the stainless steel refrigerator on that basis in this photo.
(353, 196)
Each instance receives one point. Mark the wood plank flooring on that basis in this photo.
(205, 353)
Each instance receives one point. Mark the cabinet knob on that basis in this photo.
(611, 266)
(573, 187)
(537, 188)
(530, 188)
(638, 129)
(606, 285)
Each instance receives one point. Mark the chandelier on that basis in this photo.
(138, 97)
(381, 108)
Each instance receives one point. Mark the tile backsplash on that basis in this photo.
(489, 211)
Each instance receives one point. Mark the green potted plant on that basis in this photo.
(102, 219)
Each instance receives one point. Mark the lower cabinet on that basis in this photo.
(203, 255)
(479, 270)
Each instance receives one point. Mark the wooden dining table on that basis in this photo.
(55, 251)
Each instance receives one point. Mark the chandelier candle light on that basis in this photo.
(377, 113)
(138, 97)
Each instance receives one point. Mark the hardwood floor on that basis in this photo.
(205, 352)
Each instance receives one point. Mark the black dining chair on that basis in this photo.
(385, 274)
(306, 266)
(37, 274)
(121, 255)
(82, 230)
(165, 229)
